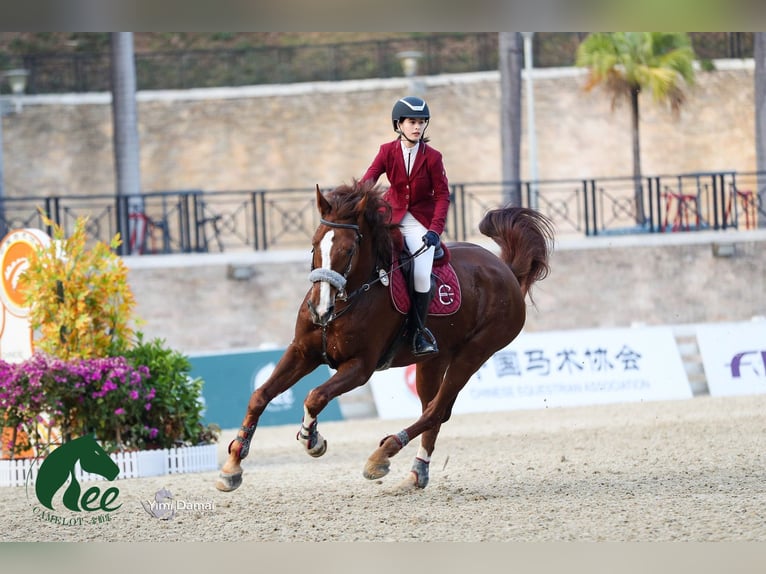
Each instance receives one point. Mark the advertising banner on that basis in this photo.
(16, 250)
(734, 357)
(556, 369)
(230, 379)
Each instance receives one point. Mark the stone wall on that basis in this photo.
(192, 302)
(295, 136)
(299, 135)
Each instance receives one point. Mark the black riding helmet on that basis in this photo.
(410, 107)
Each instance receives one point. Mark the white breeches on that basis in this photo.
(413, 232)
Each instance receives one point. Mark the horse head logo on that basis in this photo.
(60, 465)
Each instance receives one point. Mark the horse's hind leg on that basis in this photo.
(291, 368)
(428, 379)
(419, 474)
(462, 365)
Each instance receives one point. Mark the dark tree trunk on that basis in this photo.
(125, 126)
(511, 60)
(638, 194)
(760, 122)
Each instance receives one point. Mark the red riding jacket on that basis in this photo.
(425, 193)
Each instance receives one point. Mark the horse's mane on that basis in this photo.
(345, 199)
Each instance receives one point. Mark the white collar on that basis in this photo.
(408, 150)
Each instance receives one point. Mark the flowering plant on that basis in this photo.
(93, 373)
(144, 398)
(106, 396)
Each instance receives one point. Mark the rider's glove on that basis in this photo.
(431, 239)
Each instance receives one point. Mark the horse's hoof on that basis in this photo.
(228, 481)
(318, 450)
(410, 483)
(375, 470)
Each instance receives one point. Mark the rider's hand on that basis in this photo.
(431, 239)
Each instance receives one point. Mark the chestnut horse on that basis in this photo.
(347, 320)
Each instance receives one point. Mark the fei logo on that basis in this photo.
(91, 506)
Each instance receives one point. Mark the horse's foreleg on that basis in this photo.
(309, 436)
(291, 368)
(349, 375)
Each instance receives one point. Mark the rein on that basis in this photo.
(366, 286)
(338, 281)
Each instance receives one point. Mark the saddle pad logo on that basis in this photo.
(446, 295)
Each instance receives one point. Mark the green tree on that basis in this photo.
(79, 298)
(629, 63)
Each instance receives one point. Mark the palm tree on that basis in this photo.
(629, 63)
(509, 46)
(125, 122)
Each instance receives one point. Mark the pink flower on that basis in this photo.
(119, 411)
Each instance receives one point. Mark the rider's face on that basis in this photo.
(412, 128)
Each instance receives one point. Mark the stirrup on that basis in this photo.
(424, 343)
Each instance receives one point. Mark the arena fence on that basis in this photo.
(135, 464)
(201, 221)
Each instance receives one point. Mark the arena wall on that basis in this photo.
(211, 302)
(298, 135)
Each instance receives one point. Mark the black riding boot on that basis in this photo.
(423, 341)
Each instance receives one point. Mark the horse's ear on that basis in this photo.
(323, 205)
(361, 206)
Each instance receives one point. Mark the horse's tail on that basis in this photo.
(525, 237)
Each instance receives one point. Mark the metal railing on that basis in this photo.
(443, 53)
(197, 221)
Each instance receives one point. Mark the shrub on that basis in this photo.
(91, 373)
(177, 407)
(79, 299)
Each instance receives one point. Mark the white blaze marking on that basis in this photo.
(324, 287)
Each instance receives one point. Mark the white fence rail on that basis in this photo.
(136, 464)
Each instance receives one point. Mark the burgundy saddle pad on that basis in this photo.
(446, 299)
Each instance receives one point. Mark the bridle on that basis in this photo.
(339, 280)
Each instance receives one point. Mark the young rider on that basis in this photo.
(419, 197)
